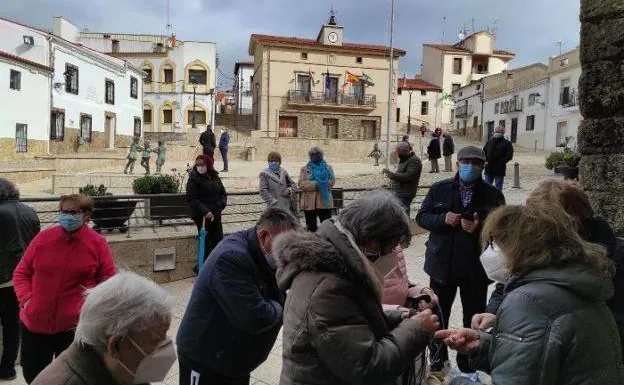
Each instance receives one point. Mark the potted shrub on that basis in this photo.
(108, 213)
(167, 202)
(565, 163)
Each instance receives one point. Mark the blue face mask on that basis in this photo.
(71, 222)
(274, 166)
(498, 134)
(468, 172)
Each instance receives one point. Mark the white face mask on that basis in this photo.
(493, 262)
(202, 169)
(153, 367)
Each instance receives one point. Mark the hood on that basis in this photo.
(576, 278)
(328, 250)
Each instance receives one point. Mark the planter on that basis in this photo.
(569, 173)
(169, 206)
(112, 214)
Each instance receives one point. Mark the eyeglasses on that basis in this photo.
(70, 212)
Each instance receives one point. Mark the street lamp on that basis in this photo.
(390, 85)
(409, 109)
(194, 93)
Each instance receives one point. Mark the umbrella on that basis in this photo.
(202, 245)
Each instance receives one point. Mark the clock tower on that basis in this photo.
(331, 33)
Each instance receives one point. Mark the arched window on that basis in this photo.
(167, 76)
(200, 114)
(148, 116)
(197, 77)
(148, 68)
(168, 116)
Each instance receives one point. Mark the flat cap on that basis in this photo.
(471, 152)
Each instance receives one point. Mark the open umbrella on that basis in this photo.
(202, 245)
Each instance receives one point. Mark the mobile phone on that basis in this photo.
(468, 217)
(414, 302)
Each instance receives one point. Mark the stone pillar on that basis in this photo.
(601, 91)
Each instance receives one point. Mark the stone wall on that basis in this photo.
(8, 150)
(310, 125)
(98, 142)
(601, 91)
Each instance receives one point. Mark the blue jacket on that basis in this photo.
(224, 140)
(235, 310)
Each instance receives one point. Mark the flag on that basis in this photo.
(445, 97)
(327, 80)
(367, 79)
(351, 78)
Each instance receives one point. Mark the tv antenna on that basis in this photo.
(169, 18)
(560, 44)
(494, 27)
(443, 28)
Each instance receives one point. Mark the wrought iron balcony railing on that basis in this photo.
(332, 98)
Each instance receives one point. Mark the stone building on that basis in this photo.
(323, 88)
(417, 103)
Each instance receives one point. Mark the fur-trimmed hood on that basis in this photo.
(329, 250)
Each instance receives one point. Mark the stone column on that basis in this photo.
(601, 91)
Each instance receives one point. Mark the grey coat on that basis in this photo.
(272, 186)
(553, 328)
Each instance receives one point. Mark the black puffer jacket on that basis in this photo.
(19, 224)
(205, 193)
(553, 328)
(448, 146)
(335, 331)
(433, 149)
(498, 152)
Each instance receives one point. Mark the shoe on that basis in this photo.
(8, 375)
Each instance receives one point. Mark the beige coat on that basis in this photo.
(311, 198)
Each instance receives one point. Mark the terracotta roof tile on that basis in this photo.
(24, 61)
(300, 42)
(418, 84)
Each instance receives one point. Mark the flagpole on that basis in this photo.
(390, 86)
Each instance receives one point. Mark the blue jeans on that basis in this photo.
(496, 180)
(406, 200)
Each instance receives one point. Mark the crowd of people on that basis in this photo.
(338, 290)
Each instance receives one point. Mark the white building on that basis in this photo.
(564, 116)
(424, 98)
(453, 66)
(179, 89)
(243, 75)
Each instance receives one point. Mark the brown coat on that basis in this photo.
(311, 198)
(78, 365)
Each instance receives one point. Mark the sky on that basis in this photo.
(530, 28)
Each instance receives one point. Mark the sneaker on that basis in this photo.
(8, 375)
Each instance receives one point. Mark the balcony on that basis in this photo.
(568, 98)
(464, 111)
(330, 99)
(512, 105)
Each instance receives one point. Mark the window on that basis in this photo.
(71, 79)
(198, 76)
(399, 91)
(137, 126)
(168, 75)
(475, 122)
(110, 92)
(115, 46)
(424, 108)
(562, 129)
(530, 124)
(423, 93)
(532, 98)
(304, 56)
(303, 83)
(501, 123)
(148, 78)
(15, 82)
(457, 66)
(359, 60)
(331, 126)
(287, 127)
(455, 86)
(134, 87)
(147, 115)
(200, 117)
(398, 115)
(21, 137)
(57, 125)
(369, 130)
(564, 98)
(167, 116)
(565, 61)
(85, 127)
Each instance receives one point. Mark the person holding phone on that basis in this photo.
(453, 211)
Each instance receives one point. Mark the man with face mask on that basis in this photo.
(453, 212)
(498, 152)
(404, 182)
(235, 310)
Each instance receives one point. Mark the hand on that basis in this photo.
(434, 297)
(483, 321)
(465, 341)
(209, 216)
(470, 226)
(407, 312)
(452, 219)
(427, 320)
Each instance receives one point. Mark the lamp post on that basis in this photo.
(409, 114)
(390, 85)
(194, 93)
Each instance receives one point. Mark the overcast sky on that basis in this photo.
(530, 28)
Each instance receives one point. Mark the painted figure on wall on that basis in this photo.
(133, 155)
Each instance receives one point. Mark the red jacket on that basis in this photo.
(54, 273)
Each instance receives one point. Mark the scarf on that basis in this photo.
(321, 174)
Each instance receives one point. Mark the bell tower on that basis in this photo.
(331, 32)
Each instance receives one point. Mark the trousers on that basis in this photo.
(38, 350)
(191, 375)
(312, 215)
(9, 318)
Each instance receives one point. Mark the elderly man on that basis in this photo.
(235, 310)
(121, 338)
(498, 152)
(453, 212)
(404, 182)
(19, 224)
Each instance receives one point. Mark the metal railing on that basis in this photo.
(568, 99)
(131, 214)
(464, 111)
(512, 105)
(331, 98)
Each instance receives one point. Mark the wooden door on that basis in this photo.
(514, 130)
(287, 127)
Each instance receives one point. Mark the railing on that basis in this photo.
(568, 99)
(464, 111)
(331, 98)
(512, 105)
(136, 214)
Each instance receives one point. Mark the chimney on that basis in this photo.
(64, 29)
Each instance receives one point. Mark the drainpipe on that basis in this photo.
(51, 65)
(268, 106)
(546, 113)
(482, 104)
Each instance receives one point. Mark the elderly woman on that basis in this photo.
(316, 179)
(335, 331)
(121, 337)
(276, 187)
(58, 265)
(553, 326)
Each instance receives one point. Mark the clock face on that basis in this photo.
(332, 37)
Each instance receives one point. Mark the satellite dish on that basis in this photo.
(461, 36)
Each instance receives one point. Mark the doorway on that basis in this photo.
(490, 129)
(514, 130)
(562, 128)
(110, 129)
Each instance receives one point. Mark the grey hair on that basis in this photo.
(403, 146)
(314, 150)
(8, 191)
(125, 304)
(276, 217)
(377, 216)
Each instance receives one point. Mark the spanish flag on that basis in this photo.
(351, 78)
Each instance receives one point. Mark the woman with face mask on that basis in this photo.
(58, 265)
(316, 179)
(121, 337)
(335, 331)
(276, 186)
(206, 195)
